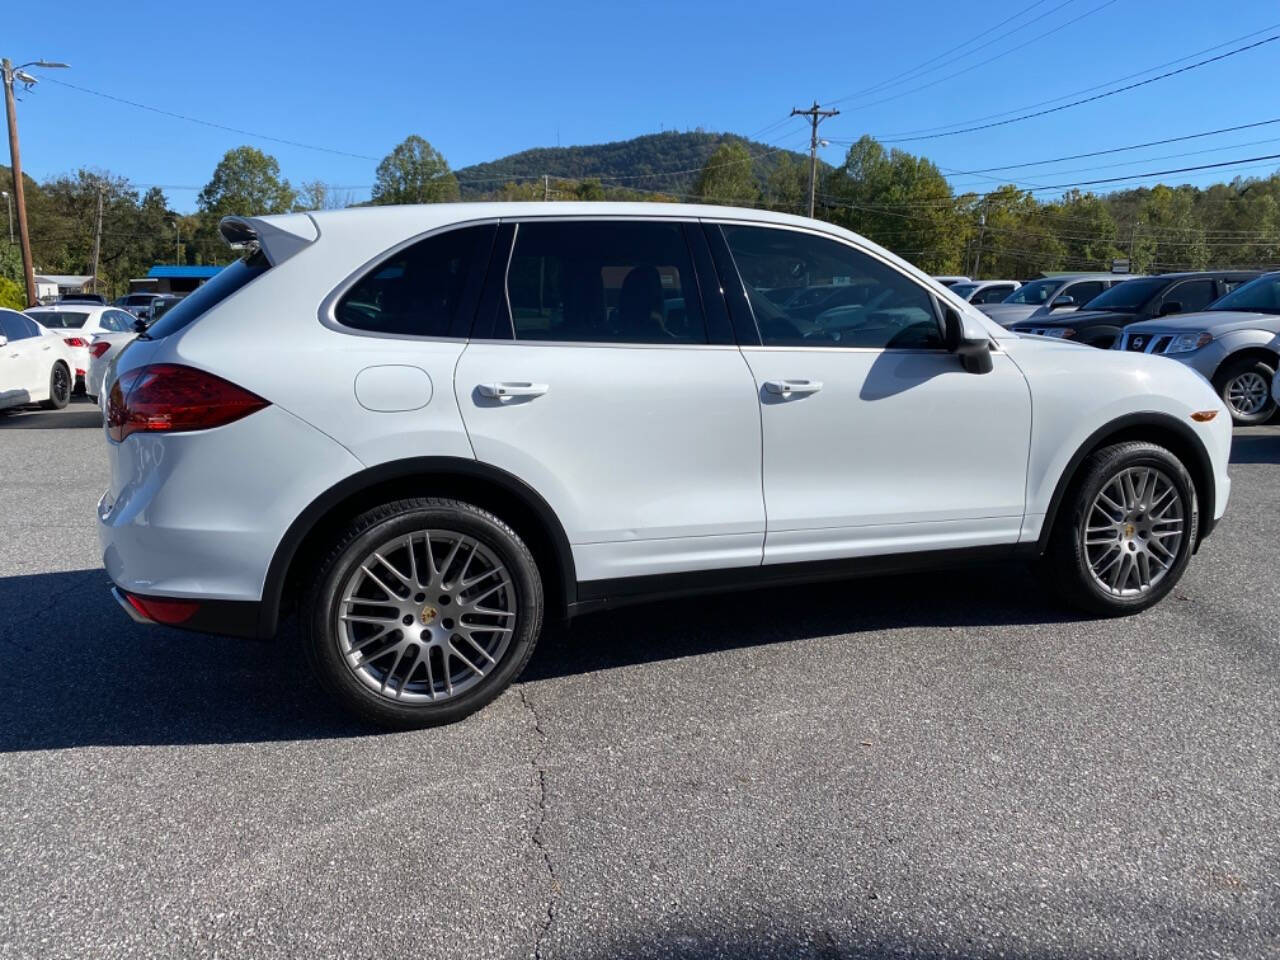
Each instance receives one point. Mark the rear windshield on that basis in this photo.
(60, 319)
(226, 282)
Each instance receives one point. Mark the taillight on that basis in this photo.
(163, 611)
(164, 397)
(75, 342)
(99, 348)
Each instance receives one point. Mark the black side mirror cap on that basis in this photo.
(975, 355)
(1170, 306)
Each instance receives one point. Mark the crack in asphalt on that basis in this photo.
(540, 780)
(8, 634)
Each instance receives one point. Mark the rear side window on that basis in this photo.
(1193, 295)
(15, 326)
(207, 296)
(428, 289)
(992, 295)
(604, 282)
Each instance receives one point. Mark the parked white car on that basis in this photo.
(35, 363)
(79, 324)
(984, 291)
(457, 420)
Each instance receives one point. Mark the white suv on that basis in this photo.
(424, 429)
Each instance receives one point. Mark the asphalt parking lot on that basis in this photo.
(934, 766)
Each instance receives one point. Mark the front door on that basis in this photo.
(876, 440)
(602, 390)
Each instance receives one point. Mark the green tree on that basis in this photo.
(1170, 236)
(414, 172)
(13, 295)
(246, 182)
(787, 188)
(726, 177)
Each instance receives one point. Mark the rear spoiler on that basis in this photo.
(279, 237)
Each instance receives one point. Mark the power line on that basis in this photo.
(991, 59)
(1160, 173)
(906, 74)
(1076, 103)
(1097, 86)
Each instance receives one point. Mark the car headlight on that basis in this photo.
(1186, 342)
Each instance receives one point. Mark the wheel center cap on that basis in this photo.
(428, 615)
(1129, 531)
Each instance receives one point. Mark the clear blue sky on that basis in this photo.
(480, 81)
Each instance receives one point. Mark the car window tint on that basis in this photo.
(993, 294)
(841, 298)
(420, 290)
(116, 322)
(1193, 295)
(11, 326)
(604, 282)
(62, 319)
(1083, 292)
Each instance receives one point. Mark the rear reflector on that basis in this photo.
(164, 397)
(75, 341)
(99, 348)
(163, 611)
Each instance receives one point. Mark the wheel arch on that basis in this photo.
(484, 485)
(1160, 428)
(1251, 352)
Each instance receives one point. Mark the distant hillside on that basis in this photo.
(643, 163)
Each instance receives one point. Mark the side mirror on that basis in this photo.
(974, 354)
(1063, 301)
(139, 326)
(1170, 306)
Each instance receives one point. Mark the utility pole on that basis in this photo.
(97, 240)
(9, 73)
(982, 232)
(816, 116)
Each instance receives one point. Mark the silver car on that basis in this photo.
(1036, 299)
(1231, 343)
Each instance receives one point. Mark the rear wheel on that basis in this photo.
(424, 611)
(59, 387)
(1245, 387)
(1124, 538)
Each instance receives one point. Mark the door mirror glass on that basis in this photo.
(1170, 306)
(1066, 300)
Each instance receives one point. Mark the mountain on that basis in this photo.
(664, 162)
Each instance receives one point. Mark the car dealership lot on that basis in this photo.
(945, 763)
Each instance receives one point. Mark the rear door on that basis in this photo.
(602, 376)
(21, 368)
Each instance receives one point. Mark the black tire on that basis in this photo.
(1232, 371)
(1067, 563)
(59, 387)
(319, 613)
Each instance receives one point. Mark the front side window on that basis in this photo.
(117, 322)
(1034, 293)
(993, 294)
(428, 289)
(1193, 295)
(873, 305)
(604, 282)
(1084, 292)
(1260, 295)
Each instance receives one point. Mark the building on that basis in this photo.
(168, 278)
(50, 286)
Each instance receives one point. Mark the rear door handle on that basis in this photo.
(512, 388)
(792, 388)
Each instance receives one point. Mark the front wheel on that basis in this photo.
(1124, 538)
(59, 387)
(423, 612)
(1245, 387)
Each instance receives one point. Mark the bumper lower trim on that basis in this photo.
(227, 618)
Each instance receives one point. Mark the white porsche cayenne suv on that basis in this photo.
(425, 430)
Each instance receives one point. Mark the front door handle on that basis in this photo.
(792, 388)
(512, 388)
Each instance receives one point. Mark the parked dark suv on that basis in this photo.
(1100, 321)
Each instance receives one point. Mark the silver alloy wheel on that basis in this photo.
(426, 616)
(61, 388)
(1247, 393)
(1133, 531)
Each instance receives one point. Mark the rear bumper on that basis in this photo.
(229, 618)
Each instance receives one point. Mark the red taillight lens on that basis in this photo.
(164, 397)
(99, 348)
(75, 341)
(163, 611)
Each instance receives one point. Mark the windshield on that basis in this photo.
(1129, 295)
(1260, 296)
(60, 319)
(1036, 292)
(962, 290)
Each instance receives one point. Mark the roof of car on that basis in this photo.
(84, 306)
